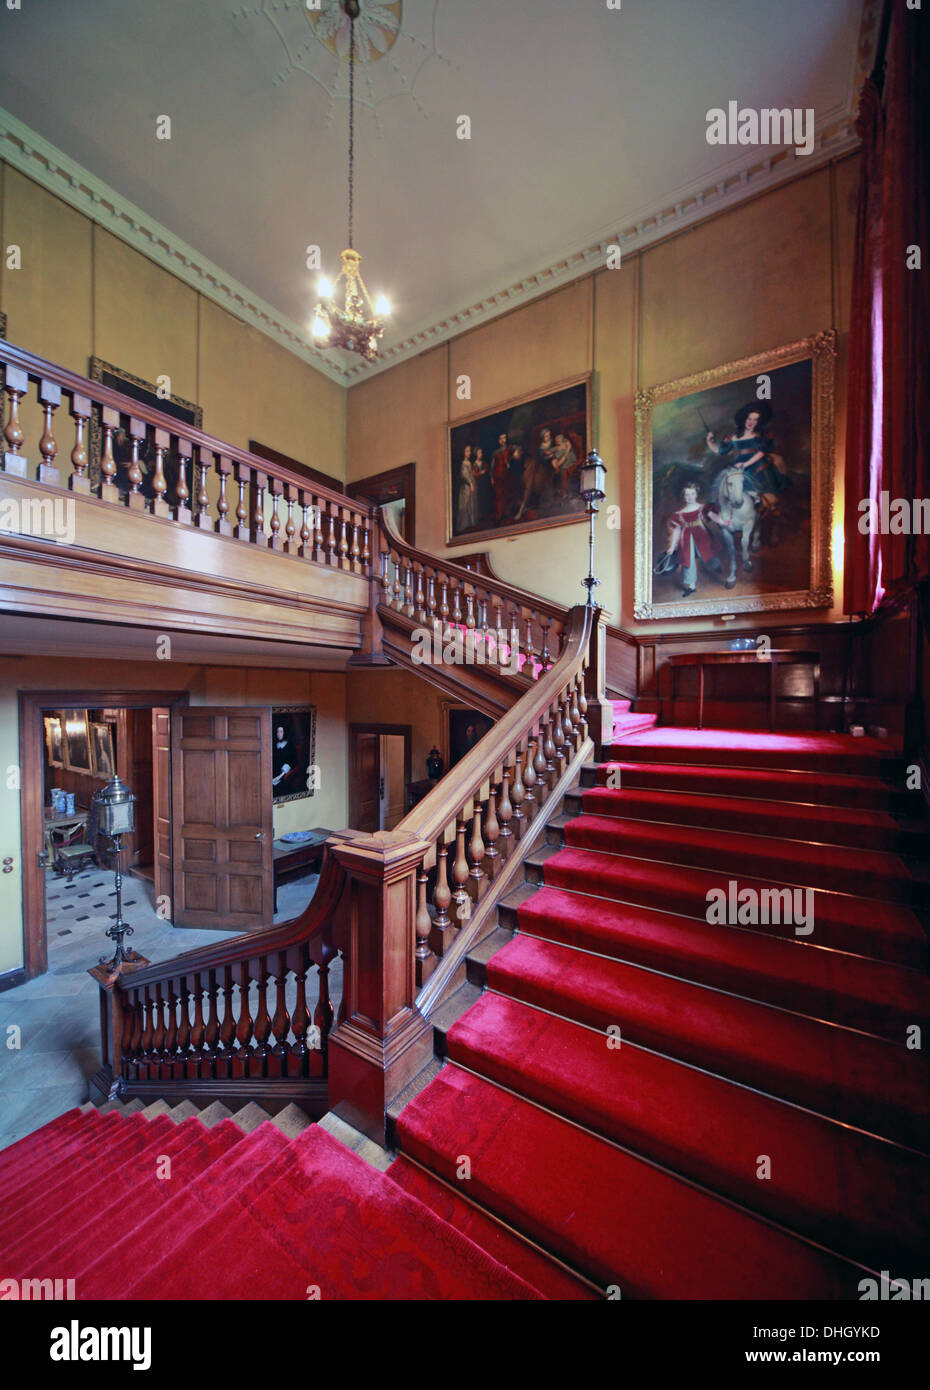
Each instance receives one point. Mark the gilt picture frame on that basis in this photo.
(514, 468)
(734, 486)
(53, 744)
(76, 741)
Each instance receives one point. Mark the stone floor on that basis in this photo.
(58, 1013)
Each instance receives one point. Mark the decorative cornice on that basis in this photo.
(54, 170)
(40, 160)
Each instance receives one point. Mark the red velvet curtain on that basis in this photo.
(888, 418)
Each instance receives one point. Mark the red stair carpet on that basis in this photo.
(680, 1109)
(642, 1101)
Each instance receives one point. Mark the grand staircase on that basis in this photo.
(627, 1099)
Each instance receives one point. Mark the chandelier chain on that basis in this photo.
(351, 128)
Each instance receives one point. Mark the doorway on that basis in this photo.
(379, 775)
(71, 744)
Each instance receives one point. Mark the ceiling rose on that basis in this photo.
(376, 28)
(394, 40)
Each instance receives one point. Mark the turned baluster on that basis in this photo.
(281, 1023)
(514, 659)
(184, 1027)
(421, 597)
(275, 540)
(541, 766)
(332, 544)
(470, 611)
(323, 1015)
(442, 895)
(211, 1032)
(457, 608)
(305, 547)
(319, 550)
(545, 662)
(500, 637)
(518, 792)
(343, 541)
(492, 830)
(202, 498)
(409, 608)
(505, 812)
(582, 704)
(460, 875)
(483, 624)
(171, 1036)
(529, 666)
(262, 1026)
(242, 530)
(550, 750)
(17, 384)
(182, 492)
(228, 1026)
(300, 1019)
(354, 550)
(135, 1044)
(444, 605)
(530, 781)
(259, 484)
(398, 583)
(575, 704)
(148, 1009)
(431, 600)
(198, 1029)
(159, 482)
(50, 397)
(476, 853)
(161, 1028)
(568, 728)
(386, 578)
(224, 467)
(80, 409)
(244, 1026)
(366, 549)
(422, 922)
(291, 546)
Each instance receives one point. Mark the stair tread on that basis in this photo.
(861, 1079)
(887, 930)
(860, 1195)
(877, 996)
(614, 1217)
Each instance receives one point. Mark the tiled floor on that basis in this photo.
(58, 1013)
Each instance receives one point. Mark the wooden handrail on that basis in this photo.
(273, 507)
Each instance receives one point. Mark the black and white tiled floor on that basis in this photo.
(58, 1013)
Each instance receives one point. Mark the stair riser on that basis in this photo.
(804, 787)
(778, 866)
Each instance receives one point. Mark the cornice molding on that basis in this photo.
(37, 158)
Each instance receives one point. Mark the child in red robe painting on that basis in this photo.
(689, 540)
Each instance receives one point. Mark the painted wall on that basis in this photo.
(82, 293)
(769, 272)
(208, 685)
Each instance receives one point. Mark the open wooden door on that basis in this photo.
(161, 808)
(368, 781)
(222, 817)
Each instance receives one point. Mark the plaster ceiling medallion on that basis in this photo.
(395, 39)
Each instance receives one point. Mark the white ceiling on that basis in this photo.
(584, 120)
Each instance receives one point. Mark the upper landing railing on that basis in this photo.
(129, 455)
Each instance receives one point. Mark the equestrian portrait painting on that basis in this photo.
(516, 469)
(734, 486)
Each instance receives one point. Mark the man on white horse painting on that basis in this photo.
(689, 541)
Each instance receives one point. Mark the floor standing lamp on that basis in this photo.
(592, 483)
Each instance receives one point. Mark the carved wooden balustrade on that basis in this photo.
(215, 486)
(497, 625)
(420, 896)
(249, 1018)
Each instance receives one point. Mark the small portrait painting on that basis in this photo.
(293, 745)
(77, 752)
(101, 747)
(53, 746)
(466, 727)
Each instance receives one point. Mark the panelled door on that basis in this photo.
(368, 784)
(221, 817)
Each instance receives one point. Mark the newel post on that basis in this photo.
(600, 711)
(382, 1040)
(371, 652)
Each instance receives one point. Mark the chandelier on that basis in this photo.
(356, 324)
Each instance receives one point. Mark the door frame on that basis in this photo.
(393, 485)
(32, 704)
(405, 730)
